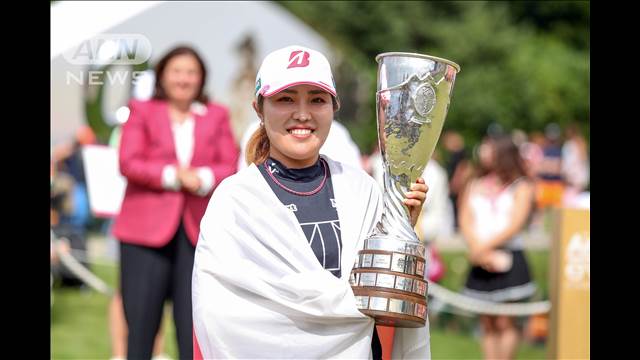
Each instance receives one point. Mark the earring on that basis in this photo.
(261, 123)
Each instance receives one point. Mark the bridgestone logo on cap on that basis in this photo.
(298, 58)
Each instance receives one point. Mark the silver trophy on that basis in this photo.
(412, 100)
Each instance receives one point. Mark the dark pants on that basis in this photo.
(376, 347)
(149, 276)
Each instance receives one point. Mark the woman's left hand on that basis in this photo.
(189, 179)
(415, 198)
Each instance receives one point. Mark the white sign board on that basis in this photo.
(105, 184)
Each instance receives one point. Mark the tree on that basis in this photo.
(524, 64)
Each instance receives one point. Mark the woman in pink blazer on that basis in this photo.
(174, 149)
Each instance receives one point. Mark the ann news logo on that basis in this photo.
(114, 49)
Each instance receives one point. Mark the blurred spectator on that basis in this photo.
(458, 167)
(495, 130)
(575, 164)
(550, 185)
(69, 198)
(118, 331)
(519, 138)
(68, 159)
(373, 165)
(532, 154)
(494, 210)
(436, 219)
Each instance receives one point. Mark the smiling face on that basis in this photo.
(297, 122)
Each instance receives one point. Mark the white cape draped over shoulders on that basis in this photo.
(259, 292)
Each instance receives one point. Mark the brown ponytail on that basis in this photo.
(257, 147)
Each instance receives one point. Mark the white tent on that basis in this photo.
(215, 29)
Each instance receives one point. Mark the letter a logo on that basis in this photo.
(298, 58)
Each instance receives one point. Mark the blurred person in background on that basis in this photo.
(550, 183)
(142, 90)
(436, 220)
(70, 199)
(575, 165)
(61, 203)
(494, 211)
(458, 167)
(532, 154)
(435, 226)
(174, 150)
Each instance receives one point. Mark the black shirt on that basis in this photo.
(316, 213)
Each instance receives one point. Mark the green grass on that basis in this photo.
(80, 323)
(453, 336)
(79, 318)
(449, 344)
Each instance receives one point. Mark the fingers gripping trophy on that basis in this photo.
(412, 100)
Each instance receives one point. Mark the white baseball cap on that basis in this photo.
(294, 65)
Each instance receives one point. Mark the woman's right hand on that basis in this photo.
(475, 257)
(480, 256)
(490, 260)
(189, 179)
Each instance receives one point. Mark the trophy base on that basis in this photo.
(392, 309)
(396, 320)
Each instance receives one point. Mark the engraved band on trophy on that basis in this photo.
(412, 100)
